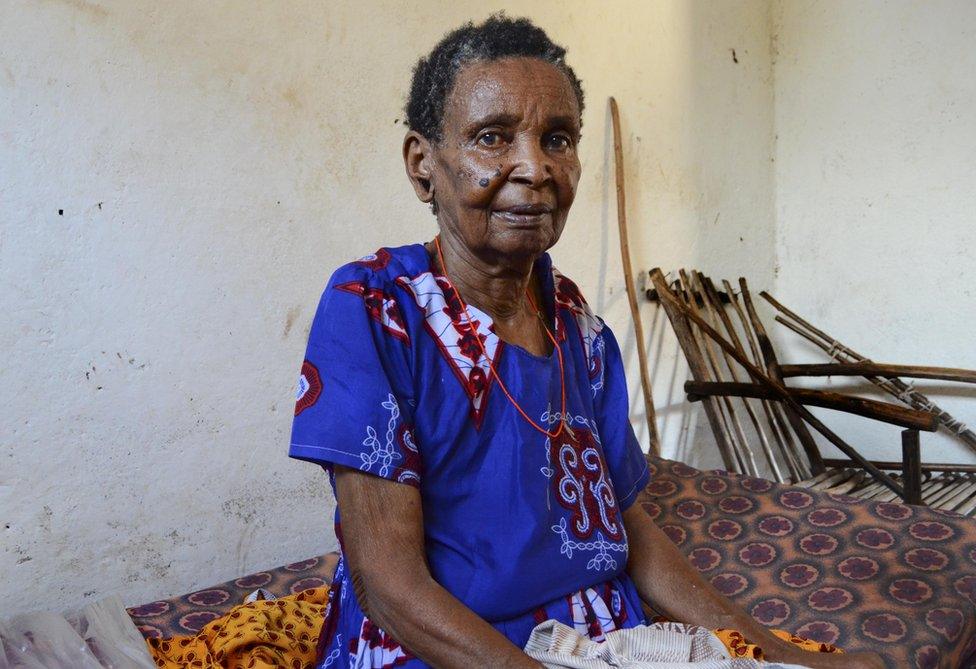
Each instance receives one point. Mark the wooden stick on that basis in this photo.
(774, 416)
(911, 472)
(772, 369)
(881, 411)
(618, 154)
(878, 369)
(895, 387)
(896, 465)
(722, 404)
(699, 369)
(760, 377)
(739, 441)
(714, 305)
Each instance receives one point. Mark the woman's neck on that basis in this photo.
(497, 289)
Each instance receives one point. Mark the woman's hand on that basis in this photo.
(383, 540)
(667, 581)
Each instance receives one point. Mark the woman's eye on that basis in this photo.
(489, 139)
(558, 142)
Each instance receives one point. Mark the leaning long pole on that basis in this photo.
(618, 155)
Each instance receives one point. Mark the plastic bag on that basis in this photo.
(102, 636)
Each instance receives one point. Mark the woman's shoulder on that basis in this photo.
(384, 267)
(569, 297)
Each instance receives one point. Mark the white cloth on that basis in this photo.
(657, 646)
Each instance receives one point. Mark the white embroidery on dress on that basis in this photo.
(381, 453)
(596, 364)
(602, 561)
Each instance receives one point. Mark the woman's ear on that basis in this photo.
(417, 160)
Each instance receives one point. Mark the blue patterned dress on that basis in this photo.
(518, 526)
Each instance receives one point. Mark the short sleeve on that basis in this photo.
(354, 403)
(629, 471)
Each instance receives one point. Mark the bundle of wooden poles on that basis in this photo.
(768, 430)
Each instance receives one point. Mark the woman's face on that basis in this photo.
(505, 172)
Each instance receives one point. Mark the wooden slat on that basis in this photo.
(891, 464)
(881, 411)
(881, 369)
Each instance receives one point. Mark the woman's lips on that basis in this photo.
(523, 219)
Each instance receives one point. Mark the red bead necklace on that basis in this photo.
(491, 365)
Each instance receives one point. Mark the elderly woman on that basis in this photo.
(470, 408)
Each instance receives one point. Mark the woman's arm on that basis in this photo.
(667, 582)
(383, 537)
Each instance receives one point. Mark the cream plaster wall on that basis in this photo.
(876, 190)
(178, 180)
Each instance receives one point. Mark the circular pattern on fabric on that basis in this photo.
(757, 554)
(309, 387)
(194, 622)
(735, 504)
(874, 537)
(258, 580)
(651, 509)
(829, 599)
(683, 470)
(306, 584)
(927, 657)
(926, 559)
(776, 526)
(690, 509)
(799, 575)
(713, 485)
(150, 610)
(820, 631)
(724, 530)
(930, 531)
(795, 499)
(661, 488)
(858, 568)
(910, 590)
(966, 586)
(755, 485)
(818, 544)
(884, 627)
(704, 559)
(827, 517)
(214, 597)
(729, 584)
(304, 565)
(947, 622)
(150, 631)
(893, 511)
(675, 533)
(771, 611)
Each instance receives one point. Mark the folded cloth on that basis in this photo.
(261, 633)
(656, 646)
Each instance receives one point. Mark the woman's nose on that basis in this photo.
(532, 165)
